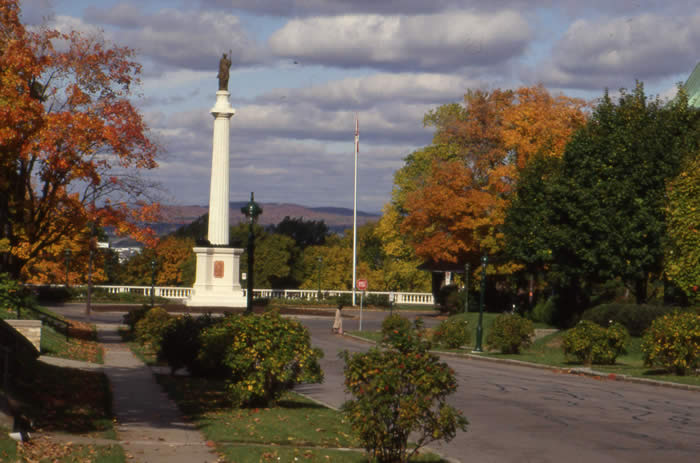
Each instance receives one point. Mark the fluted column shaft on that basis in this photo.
(218, 232)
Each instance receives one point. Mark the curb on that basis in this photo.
(579, 371)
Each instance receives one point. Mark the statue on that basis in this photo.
(224, 65)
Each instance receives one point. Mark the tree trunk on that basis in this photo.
(640, 290)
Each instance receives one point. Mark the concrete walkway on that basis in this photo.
(149, 425)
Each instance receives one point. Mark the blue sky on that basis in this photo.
(303, 68)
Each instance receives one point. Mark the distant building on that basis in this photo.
(692, 86)
(126, 248)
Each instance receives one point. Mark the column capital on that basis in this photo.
(222, 108)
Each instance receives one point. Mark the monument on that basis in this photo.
(217, 279)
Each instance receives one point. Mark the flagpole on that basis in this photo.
(354, 212)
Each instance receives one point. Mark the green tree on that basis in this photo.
(682, 261)
(273, 256)
(304, 232)
(599, 214)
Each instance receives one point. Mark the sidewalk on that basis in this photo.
(149, 425)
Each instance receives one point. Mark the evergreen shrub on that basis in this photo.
(510, 333)
(637, 318)
(453, 332)
(150, 329)
(400, 391)
(673, 342)
(263, 355)
(590, 343)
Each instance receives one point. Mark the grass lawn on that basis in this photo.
(46, 450)
(81, 343)
(548, 351)
(295, 427)
(8, 447)
(66, 400)
(471, 317)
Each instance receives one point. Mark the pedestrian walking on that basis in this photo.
(338, 322)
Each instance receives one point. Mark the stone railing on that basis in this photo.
(178, 293)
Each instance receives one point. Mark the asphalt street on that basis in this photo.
(521, 414)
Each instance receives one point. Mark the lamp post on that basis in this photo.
(153, 281)
(320, 265)
(466, 287)
(66, 255)
(91, 255)
(479, 326)
(252, 210)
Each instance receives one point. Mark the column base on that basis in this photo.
(217, 282)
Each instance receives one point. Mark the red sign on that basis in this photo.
(362, 285)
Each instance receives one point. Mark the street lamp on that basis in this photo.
(153, 281)
(252, 210)
(466, 287)
(91, 253)
(66, 255)
(479, 326)
(320, 264)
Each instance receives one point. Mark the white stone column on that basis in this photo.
(219, 192)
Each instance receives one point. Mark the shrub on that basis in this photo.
(264, 355)
(133, 316)
(450, 299)
(399, 333)
(151, 328)
(453, 332)
(590, 343)
(635, 317)
(343, 300)
(544, 311)
(673, 342)
(509, 333)
(377, 300)
(397, 394)
(53, 294)
(181, 342)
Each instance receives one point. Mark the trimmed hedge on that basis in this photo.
(637, 318)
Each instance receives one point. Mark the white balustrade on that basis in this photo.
(179, 293)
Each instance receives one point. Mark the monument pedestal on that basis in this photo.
(217, 283)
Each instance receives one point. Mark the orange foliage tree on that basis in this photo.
(71, 143)
(454, 211)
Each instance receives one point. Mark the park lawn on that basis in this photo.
(8, 447)
(471, 317)
(81, 343)
(294, 427)
(548, 351)
(68, 400)
(46, 450)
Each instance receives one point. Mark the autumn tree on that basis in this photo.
(454, 210)
(71, 142)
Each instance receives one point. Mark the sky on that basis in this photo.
(302, 70)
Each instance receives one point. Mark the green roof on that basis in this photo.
(692, 86)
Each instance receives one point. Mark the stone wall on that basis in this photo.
(30, 329)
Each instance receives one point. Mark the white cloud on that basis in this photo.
(445, 41)
(616, 52)
(364, 92)
(191, 39)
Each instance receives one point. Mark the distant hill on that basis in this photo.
(336, 218)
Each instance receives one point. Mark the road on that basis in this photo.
(521, 414)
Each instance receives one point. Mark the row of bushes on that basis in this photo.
(259, 356)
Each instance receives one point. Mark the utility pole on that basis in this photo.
(354, 212)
